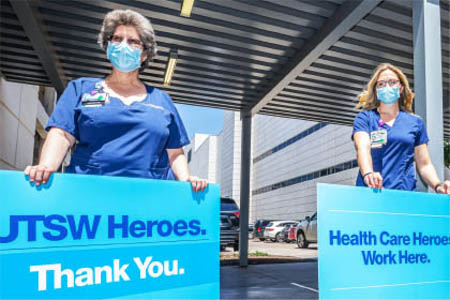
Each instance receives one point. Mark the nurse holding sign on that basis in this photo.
(123, 126)
(389, 138)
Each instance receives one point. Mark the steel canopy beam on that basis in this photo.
(347, 16)
(28, 17)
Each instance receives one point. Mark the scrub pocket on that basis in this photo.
(80, 166)
(158, 173)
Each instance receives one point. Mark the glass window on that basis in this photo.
(189, 156)
(307, 177)
(227, 204)
(291, 141)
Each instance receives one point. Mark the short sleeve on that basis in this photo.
(421, 135)
(177, 133)
(64, 115)
(361, 123)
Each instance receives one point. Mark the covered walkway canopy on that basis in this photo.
(304, 59)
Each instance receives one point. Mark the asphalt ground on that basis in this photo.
(270, 281)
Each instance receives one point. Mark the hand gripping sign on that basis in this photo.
(382, 244)
(107, 237)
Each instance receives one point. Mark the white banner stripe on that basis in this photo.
(388, 213)
(389, 285)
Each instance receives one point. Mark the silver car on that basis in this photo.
(306, 231)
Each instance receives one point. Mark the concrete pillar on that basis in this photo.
(428, 77)
(246, 150)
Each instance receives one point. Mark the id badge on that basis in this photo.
(378, 138)
(99, 99)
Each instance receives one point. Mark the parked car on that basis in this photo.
(291, 234)
(306, 231)
(287, 230)
(229, 224)
(251, 232)
(284, 232)
(259, 228)
(273, 230)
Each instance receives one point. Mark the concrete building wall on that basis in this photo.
(203, 157)
(212, 163)
(21, 116)
(229, 145)
(236, 193)
(328, 146)
(226, 139)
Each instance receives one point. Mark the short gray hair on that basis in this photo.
(118, 17)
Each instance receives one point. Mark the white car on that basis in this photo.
(274, 228)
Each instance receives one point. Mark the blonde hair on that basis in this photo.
(131, 18)
(368, 99)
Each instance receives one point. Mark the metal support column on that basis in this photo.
(428, 77)
(246, 150)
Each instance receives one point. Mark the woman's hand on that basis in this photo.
(197, 183)
(56, 145)
(444, 188)
(427, 170)
(39, 173)
(364, 157)
(180, 168)
(374, 180)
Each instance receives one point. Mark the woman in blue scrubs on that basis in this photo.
(389, 138)
(122, 126)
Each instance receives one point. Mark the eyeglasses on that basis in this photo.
(390, 82)
(131, 41)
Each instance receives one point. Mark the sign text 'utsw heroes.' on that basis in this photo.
(57, 227)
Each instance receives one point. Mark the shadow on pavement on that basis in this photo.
(270, 281)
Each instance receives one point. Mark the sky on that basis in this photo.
(199, 119)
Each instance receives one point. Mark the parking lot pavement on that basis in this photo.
(270, 281)
(278, 249)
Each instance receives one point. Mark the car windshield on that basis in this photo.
(270, 224)
(264, 223)
(227, 204)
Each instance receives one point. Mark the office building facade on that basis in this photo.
(289, 157)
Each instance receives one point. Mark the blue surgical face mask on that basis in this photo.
(124, 57)
(388, 95)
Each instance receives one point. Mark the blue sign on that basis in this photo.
(382, 244)
(83, 236)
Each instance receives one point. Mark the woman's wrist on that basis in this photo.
(436, 186)
(49, 165)
(366, 174)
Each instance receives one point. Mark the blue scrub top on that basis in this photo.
(395, 160)
(117, 139)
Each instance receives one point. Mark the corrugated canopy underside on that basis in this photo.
(231, 53)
